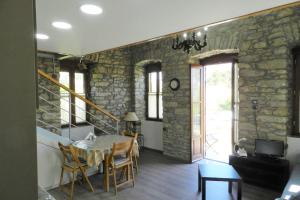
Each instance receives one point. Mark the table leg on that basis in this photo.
(239, 197)
(203, 184)
(106, 174)
(199, 180)
(103, 172)
(229, 186)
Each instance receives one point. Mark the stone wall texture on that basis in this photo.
(46, 112)
(111, 85)
(264, 43)
(176, 104)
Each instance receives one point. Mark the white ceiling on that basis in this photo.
(127, 21)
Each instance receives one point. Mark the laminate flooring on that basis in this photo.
(163, 178)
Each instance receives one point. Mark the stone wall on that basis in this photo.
(265, 64)
(264, 43)
(176, 104)
(139, 91)
(53, 116)
(111, 83)
(138, 94)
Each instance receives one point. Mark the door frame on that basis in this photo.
(217, 59)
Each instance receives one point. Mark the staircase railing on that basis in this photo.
(100, 119)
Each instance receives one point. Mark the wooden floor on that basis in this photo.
(162, 178)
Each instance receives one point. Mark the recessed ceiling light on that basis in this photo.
(61, 25)
(41, 36)
(91, 9)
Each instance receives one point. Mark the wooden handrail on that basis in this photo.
(43, 74)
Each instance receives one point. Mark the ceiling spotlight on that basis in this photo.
(198, 33)
(91, 9)
(184, 35)
(205, 28)
(62, 25)
(41, 36)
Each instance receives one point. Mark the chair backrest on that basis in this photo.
(122, 148)
(69, 153)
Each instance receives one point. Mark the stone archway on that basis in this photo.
(139, 86)
(195, 58)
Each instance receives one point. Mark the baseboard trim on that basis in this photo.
(177, 159)
(56, 185)
(167, 156)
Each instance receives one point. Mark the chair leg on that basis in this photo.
(128, 172)
(136, 164)
(106, 174)
(83, 171)
(72, 186)
(115, 180)
(132, 173)
(61, 177)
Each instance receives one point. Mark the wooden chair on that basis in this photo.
(121, 158)
(134, 158)
(72, 164)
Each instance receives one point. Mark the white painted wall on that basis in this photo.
(293, 151)
(49, 159)
(77, 133)
(153, 132)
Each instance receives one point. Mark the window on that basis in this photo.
(154, 92)
(80, 106)
(75, 80)
(64, 78)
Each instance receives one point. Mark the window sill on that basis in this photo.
(156, 120)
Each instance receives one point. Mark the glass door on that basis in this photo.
(196, 108)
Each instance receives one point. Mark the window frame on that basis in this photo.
(156, 67)
(235, 102)
(70, 66)
(295, 132)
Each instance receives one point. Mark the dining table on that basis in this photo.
(98, 150)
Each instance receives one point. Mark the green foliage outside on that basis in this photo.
(221, 78)
(225, 105)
